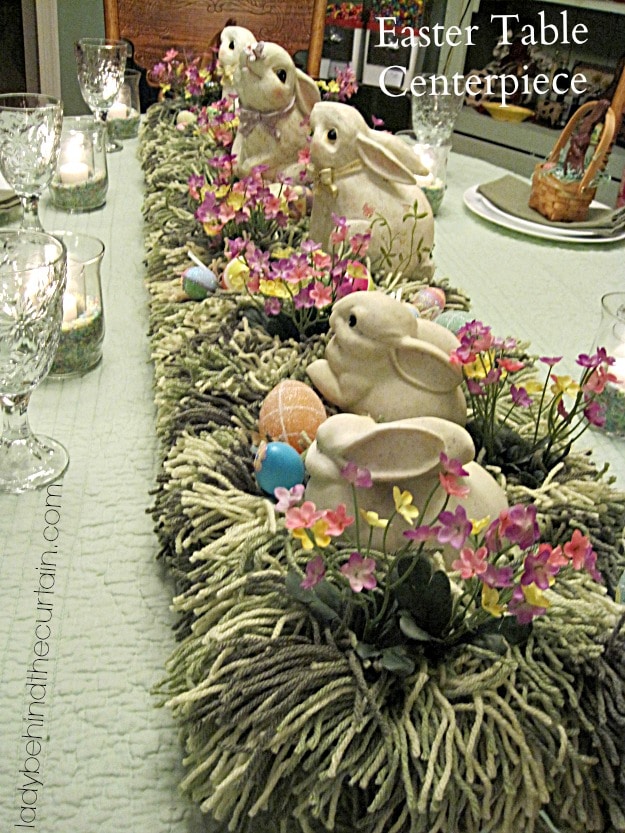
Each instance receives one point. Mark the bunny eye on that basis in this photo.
(231, 45)
(352, 320)
(281, 73)
(331, 134)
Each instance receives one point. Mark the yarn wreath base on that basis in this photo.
(284, 729)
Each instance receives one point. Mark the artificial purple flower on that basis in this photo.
(518, 524)
(538, 570)
(455, 528)
(520, 397)
(422, 533)
(315, 572)
(498, 576)
(550, 360)
(596, 359)
(523, 609)
(272, 306)
(595, 414)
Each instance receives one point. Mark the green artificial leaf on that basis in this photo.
(397, 660)
(409, 628)
(316, 599)
(367, 651)
(425, 594)
(499, 634)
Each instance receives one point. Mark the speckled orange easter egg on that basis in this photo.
(290, 411)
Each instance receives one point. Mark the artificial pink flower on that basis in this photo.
(577, 549)
(337, 520)
(321, 295)
(510, 365)
(359, 572)
(357, 475)
(471, 562)
(302, 517)
(288, 497)
(454, 528)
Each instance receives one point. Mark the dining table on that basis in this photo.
(86, 624)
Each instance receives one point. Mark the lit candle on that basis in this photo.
(117, 110)
(73, 173)
(70, 308)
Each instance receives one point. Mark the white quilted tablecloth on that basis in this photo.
(92, 753)
(108, 760)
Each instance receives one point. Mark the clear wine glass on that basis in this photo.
(32, 281)
(101, 63)
(30, 135)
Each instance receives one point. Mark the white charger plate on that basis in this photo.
(482, 207)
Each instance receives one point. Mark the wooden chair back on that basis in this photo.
(193, 26)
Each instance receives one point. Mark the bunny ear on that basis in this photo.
(425, 365)
(397, 451)
(382, 161)
(306, 91)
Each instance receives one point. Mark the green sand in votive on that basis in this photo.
(124, 128)
(80, 346)
(79, 196)
(613, 400)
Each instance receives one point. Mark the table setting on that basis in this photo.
(230, 633)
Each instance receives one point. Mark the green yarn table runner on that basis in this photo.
(281, 728)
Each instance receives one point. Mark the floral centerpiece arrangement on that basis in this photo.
(469, 679)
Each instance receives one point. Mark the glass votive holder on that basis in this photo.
(80, 181)
(436, 102)
(82, 329)
(434, 158)
(124, 113)
(611, 336)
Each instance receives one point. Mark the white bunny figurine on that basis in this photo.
(384, 361)
(232, 41)
(404, 453)
(355, 167)
(275, 102)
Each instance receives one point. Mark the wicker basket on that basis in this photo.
(569, 201)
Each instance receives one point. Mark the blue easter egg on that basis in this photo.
(453, 319)
(278, 464)
(198, 282)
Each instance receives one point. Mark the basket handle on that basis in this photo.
(603, 147)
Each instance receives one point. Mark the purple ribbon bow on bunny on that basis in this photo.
(249, 119)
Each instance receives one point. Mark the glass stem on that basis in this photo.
(15, 426)
(30, 218)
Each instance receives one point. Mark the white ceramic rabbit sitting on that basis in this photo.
(232, 41)
(404, 453)
(385, 362)
(275, 102)
(354, 166)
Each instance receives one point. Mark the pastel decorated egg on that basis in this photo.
(278, 464)
(454, 319)
(291, 412)
(185, 117)
(199, 281)
(430, 301)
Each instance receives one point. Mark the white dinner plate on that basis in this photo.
(479, 205)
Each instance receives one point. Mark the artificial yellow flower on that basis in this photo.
(404, 505)
(357, 270)
(490, 601)
(221, 192)
(481, 367)
(319, 530)
(274, 289)
(373, 519)
(302, 535)
(564, 384)
(213, 228)
(535, 596)
(533, 386)
(236, 200)
(478, 526)
(282, 251)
